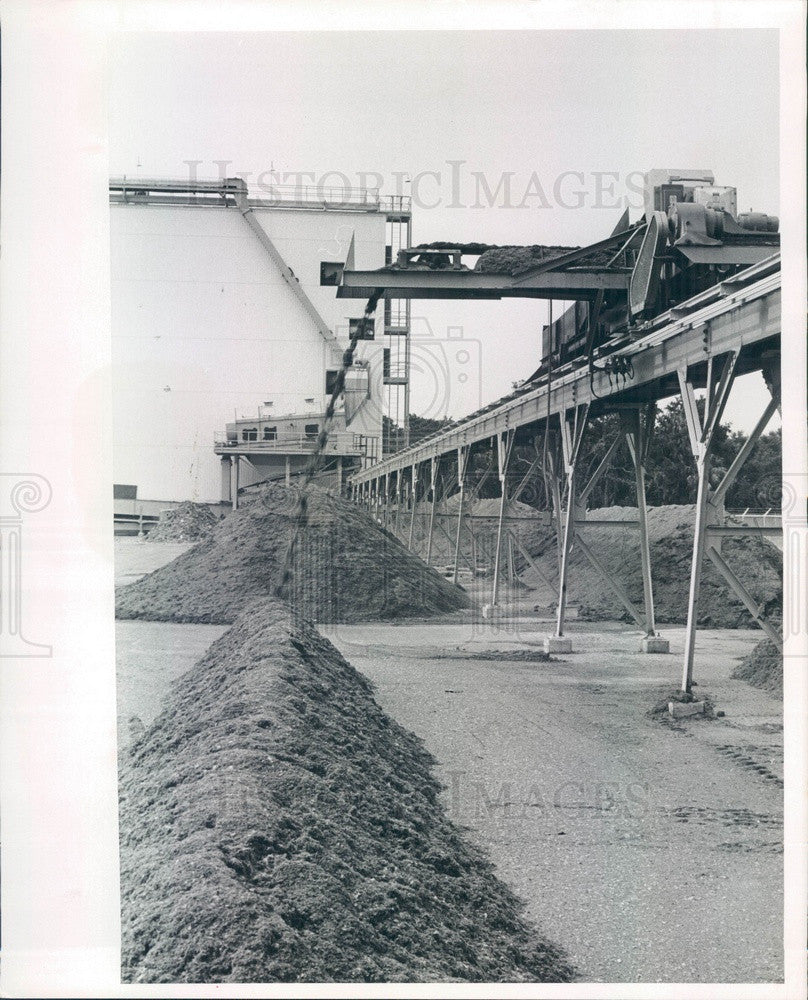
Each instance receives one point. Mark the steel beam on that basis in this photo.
(504, 450)
(701, 441)
(571, 438)
(743, 594)
(414, 480)
(613, 582)
(433, 486)
(749, 315)
(463, 456)
(636, 439)
(531, 562)
(730, 475)
(597, 475)
(412, 283)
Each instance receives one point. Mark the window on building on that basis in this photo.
(249, 434)
(270, 433)
(386, 363)
(366, 329)
(330, 272)
(312, 430)
(330, 381)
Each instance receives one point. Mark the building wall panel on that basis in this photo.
(204, 328)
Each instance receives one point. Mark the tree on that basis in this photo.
(670, 468)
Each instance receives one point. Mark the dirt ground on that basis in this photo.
(648, 851)
(653, 851)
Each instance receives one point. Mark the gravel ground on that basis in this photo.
(653, 852)
(134, 557)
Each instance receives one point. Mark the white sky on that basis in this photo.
(407, 103)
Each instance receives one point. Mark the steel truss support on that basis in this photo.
(701, 435)
(463, 457)
(504, 444)
(397, 508)
(531, 562)
(752, 606)
(638, 439)
(612, 581)
(434, 464)
(526, 478)
(414, 504)
(553, 487)
(572, 434)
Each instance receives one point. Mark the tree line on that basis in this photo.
(670, 467)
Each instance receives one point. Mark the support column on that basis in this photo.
(572, 434)
(702, 472)
(701, 440)
(504, 443)
(462, 468)
(555, 492)
(234, 470)
(339, 475)
(288, 471)
(414, 480)
(638, 440)
(433, 485)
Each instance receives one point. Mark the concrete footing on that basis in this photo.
(491, 611)
(681, 709)
(557, 644)
(654, 644)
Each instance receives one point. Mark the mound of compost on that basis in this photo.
(512, 260)
(763, 667)
(188, 522)
(277, 826)
(346, 567)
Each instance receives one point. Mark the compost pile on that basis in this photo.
(513, 260)
(345, 568)
(277, 826)
(188, 522)
(495, 259)
(670, 528)
(763, 667)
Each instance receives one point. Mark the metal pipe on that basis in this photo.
(240, 198)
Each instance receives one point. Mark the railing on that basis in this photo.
(336, 444)
(396, 203)
(189, 192)
(137, 189)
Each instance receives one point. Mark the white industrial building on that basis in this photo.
(225, 341)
